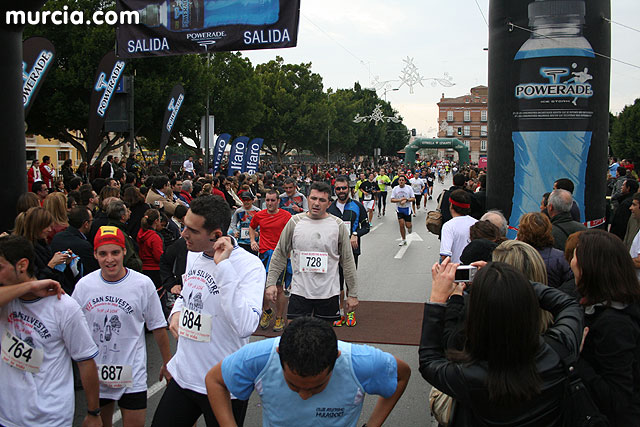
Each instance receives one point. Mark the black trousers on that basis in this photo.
(180, 407)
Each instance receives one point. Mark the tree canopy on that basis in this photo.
(625, 132)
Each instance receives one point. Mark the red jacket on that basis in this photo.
(46, 176)
(151, 249)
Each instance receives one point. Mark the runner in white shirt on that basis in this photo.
(187, 167)
(219, 309)
(117, 303)
(417, 185)
(402, 195)
(40, 337)
(455, 232)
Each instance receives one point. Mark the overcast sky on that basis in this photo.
(359, 40)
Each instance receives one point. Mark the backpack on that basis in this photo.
(579, 409)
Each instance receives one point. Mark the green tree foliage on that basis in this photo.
(295, 111)
(625, 133)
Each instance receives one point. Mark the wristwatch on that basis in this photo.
(355, 233)
(94, 412)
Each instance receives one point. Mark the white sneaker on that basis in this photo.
(402, 243)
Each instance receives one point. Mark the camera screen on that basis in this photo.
(462, 274)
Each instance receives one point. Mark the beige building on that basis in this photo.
(38, 147)
(465, 117)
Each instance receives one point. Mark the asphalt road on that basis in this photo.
(386, 272)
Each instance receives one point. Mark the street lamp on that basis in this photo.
(328, 123)
(389, 90)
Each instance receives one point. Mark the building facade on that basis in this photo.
(465, 117)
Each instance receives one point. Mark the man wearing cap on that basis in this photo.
(455, 232)
(219, 309)
(241, 220)
(117, 303)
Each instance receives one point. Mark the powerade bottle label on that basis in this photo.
(552, 115)
(186, 15)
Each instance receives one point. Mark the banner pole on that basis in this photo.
(206, 123)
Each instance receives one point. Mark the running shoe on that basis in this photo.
(279, 324)
(351, 319)
(340, 322)
(402, 243)
(379, 215)
(265, 319)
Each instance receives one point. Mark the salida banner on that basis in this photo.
(173, 108)
(37, 56)
(175, 27)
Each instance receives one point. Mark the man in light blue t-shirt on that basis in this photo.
(308, 378)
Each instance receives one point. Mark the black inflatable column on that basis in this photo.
(13, 175)
(548, 103)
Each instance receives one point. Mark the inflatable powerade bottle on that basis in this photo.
(552, 116)
(190, 15)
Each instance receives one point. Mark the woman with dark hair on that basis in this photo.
(82, 172)
(610, 361)
(34, 225)
(134, 200)
(506, 374)
(67, 172)
(151, 249)
(535, 229)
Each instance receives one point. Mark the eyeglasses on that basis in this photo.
(341, 188)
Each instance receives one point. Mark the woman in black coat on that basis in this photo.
(507, 373)
(610, 361)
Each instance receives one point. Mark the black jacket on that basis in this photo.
(467, 382)
(476, 209)
(131, 259)
(562, 226)
(610, 362)
(73, 239)
(43, 255)
(558, 269)
(173, 264)
(621, 215)
(356, 215)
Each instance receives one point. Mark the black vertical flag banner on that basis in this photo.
(109, 72)
(173, 108)
(176, 27)
(548, 103)
(37, 60)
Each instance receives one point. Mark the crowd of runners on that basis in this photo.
(99, 255)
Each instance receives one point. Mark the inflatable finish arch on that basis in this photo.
(419, 143)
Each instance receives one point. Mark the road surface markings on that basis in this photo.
(413, 237)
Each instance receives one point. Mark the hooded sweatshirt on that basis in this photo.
(151, 250)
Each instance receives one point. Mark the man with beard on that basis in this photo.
(354, 214)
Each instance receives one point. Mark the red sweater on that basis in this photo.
(151, 250)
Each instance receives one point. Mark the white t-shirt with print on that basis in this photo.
(417, 184)
(231, 293)
(58, 329)
(455, 236)
(400, 192)
(116, 313)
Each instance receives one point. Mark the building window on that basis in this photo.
(483, 131)
(63, 155)
(32, 155)
(467, 116)
(483, 145)
(467, 131)
(449, 130)
(466, 143)
(466, 100)
(483, 115)
(449, 116)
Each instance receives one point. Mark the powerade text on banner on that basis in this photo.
(175, 27)
(236, 155)
(550, 101)
(252, 157)
(176, 98)
(37, 56)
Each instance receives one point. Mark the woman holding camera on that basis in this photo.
(507, 374)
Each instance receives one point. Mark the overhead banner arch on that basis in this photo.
(420, 143)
